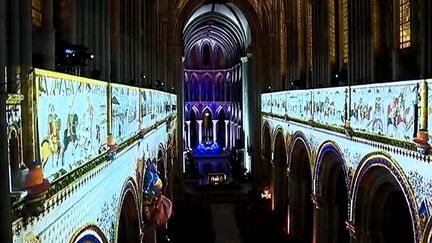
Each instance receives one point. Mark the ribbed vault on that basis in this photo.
(222, 25)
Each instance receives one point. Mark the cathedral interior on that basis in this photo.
(215, 121)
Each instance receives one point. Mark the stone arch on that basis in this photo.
(206, 108)
(265, 125)
(219, 109)
(427, 234)
(90, 232)
(280, 199)
(386, 177)
(300, 208)
(298, 136)
(264, 170)
(329, 146)
(278, 129)
(331, 194)
(128, 218)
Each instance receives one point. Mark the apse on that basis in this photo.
(215, 38)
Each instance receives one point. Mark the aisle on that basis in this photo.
(224, 223)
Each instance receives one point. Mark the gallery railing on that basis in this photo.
(394, 113)
(63, 126)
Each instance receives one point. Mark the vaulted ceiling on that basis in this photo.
(222, 25)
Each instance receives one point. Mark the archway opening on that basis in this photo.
(300, 209)
(193, 129)
(221, 133)
(220, 33)
(207, 126)
(128, 229)
(264, 171)
(333, 208)
(382, 213)
(280, 179)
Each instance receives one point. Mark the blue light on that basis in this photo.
(208, 148)
(69, 51)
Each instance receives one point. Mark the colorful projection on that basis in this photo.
(266, 103)
(125, 108)
(299, 104)
(279, 103)
(146, 109)
(384, 109)
(329, 105)
(71, 118)
(83, 192)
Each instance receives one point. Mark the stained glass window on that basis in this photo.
(404, 24)
(309, 36)
(299, 32)
(332, 30)
(282, 43)
(36, 13)
(344, 30)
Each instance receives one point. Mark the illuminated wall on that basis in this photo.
(73, 117)
(125, 108)
(380, 125)
(71, 120)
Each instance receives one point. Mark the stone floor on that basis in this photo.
(227, 214)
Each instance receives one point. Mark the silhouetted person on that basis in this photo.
(14, 158)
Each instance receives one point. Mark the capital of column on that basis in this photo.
(188, 123)
(199, 122)
(215, 121)
(227, 122)
(244, 59)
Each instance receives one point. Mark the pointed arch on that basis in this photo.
(206, 108)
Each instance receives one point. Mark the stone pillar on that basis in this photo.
(226, 133)
(214, 130)
(5, 203)
(25, 38)
(13, 42)
(234, 133)
(199, 131)
(188, 134)
(244, 110)
(47, 43)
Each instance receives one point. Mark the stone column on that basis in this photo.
(25, 38)
(47, 43)
(214, 130)
(226, 133)
(13, 42)
(5, 203)
(188, 134)
(235, 128)
(199, 131)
